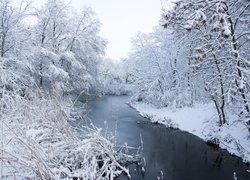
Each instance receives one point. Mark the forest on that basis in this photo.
(192, 73)
(198, 55)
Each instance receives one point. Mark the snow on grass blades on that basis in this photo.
(37, 141)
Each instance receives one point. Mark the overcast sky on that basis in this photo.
(121, 19)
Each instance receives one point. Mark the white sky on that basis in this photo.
(121, 20)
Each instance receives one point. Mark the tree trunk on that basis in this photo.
(239, 72)
(41, 76)
(3, 45)
(222, 103)
(218, 110)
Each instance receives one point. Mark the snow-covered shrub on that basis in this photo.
(37, 141)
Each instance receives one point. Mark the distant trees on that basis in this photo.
(112, 78)
(204, 52)
(149, 70)
(157, 71)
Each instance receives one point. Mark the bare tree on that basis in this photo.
(10, 19)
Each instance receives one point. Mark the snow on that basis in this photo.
(201, 120)
(37, 142)
(226, 29)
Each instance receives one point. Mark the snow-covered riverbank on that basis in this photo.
(201, 120)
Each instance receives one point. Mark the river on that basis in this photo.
(179, 155)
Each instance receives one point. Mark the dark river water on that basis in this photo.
(179, 155)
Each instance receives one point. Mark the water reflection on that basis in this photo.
(169, 154)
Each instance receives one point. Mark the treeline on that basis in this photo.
(200, 53)
(54, 46)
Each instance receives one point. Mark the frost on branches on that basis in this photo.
(198, 55)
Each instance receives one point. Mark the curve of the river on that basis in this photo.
(179, 155)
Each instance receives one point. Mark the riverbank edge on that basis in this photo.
(234, 136)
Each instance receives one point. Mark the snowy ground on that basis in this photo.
(201, 120)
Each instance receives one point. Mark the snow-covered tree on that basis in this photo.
(200, 55)
(86, 44)
(73, 40)
(52, 25)
(11, 30)
(217, 29)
